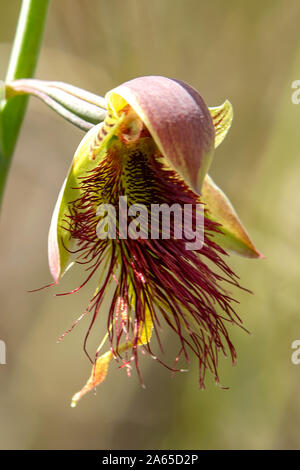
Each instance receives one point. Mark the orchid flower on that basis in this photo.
(155, 146)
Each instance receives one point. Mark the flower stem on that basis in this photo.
(80, 107)
(22, 64)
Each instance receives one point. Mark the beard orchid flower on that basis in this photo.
(154, 148)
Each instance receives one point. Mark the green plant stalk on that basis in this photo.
(22, 64)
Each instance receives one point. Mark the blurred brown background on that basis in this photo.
(248, 52)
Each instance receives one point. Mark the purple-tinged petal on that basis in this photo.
(178, 120)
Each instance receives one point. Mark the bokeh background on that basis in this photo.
(248, 52)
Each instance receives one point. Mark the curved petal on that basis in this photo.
(58, 258)
(234, 237)
(222, 118)
(178, 120)
(58, 239)
(90, 151)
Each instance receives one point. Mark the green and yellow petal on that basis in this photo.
(234, 236)
(222, 118)
(84, 160)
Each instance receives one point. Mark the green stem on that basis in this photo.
(22, 64)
